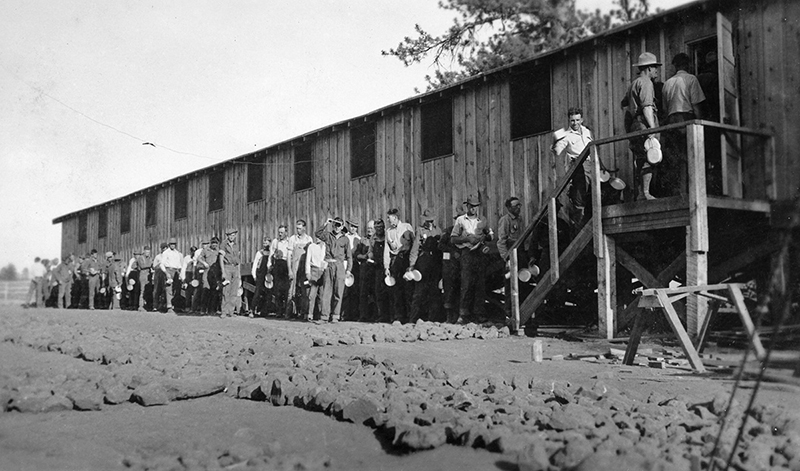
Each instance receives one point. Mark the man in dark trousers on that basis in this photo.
(451, 271)
(470, 233)
(381, 291)
(427, 259)
(259, 272)
(230, 262)
(399, 239)
(366, 276)
(340, 262)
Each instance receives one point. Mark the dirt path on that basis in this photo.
(131, 351)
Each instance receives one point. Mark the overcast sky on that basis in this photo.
(84, 82)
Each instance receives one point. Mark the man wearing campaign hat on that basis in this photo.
(230, 262)
(470, 233)
(340, 262)
(451, 270)
(426, 258)
(141, 265)
(642, 109)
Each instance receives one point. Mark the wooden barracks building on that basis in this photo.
(492, 134)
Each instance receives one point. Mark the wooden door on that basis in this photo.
(729, 109)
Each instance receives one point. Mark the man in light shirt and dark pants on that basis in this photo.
(470, 232)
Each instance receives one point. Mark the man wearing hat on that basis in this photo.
(230, 262)
(426, 258)
(208, 262)
(381, 291)
(350, 304)
(91, 268)
(509, 229)
(366, 274)
(470, 232)
(159, 278)
(172, 266)
(451, 270)
(642, 110)
(142, 266)
(340, 262)
(187, 275)
(259, 272)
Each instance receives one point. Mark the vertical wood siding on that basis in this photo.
(593, 75)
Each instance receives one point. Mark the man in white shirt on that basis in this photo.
(314, 269)
(470, 232)
(297, 245)
(279, 262)
(399, 240)
(35, 292)
(171, 265)
(259, 272)
(570, 143)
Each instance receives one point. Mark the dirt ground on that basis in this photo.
(228, 429)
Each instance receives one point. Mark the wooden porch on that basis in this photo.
(666, 241)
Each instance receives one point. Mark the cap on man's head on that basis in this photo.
(474, 200)
(352, 223)
(337, 221)
(647, 59)
(428, 215)
(204, 242)
(392, 211)
(146, 247)
(173, 240)
(94, 251)
(164, 245)
(215, 240)
(109, 254)
(231, 230)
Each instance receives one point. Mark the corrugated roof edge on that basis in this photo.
(381, 111)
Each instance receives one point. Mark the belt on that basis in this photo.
(333, 260)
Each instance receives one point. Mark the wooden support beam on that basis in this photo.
(683, 337)
(606, 286)
(662, 281)
(514, 271)
(697, 232)
(735, 294)
(640, 272)
(552, 223)
(537, 297)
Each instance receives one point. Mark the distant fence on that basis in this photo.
(14, 292)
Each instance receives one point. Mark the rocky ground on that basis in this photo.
(124, 390)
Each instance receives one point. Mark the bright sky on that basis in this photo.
(84, 82)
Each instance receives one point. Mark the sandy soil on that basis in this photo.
(121, 436)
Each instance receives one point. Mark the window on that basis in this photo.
(216, 190)
(181, 209)
(82, 224)
(437, 129)
(255, 180)
(125, 217)
(362, 150)
(150, 208)
(102, 222)
(304, 167)
(530, 102)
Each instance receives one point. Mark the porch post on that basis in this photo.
(697, 231)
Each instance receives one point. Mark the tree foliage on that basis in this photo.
(487, 34)
(9, 273)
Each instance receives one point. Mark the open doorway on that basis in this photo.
(704, 61)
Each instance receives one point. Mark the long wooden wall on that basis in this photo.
(593, 75)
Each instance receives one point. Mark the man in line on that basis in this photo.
(366, 274)
(314, 268)
(570, 143)
(509, 230)
(451, 270)
(141, 265)
(63, 276)
(278, 265)
(159, 278)
(230, 262)
(470, 232)
(259, 272)
(399, 239)
(171, 265)
(201, 275)
(375, 257)
(297, 289)
(426, 257)
(350, 301)
(340, 262)
(91, 268)
(37, 272)
(682, 99)
(642, 110)
(187, 275)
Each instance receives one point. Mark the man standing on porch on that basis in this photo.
(642, 108)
